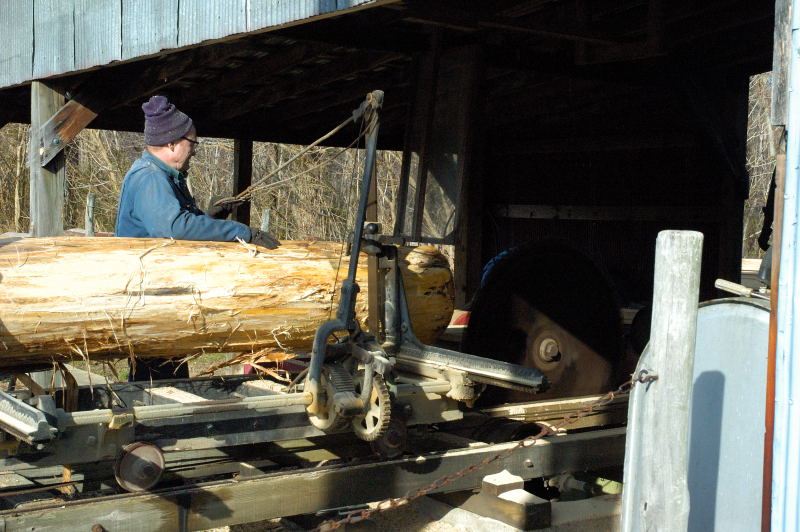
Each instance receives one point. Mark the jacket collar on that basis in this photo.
(170, 171)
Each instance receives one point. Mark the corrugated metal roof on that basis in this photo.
(201, 20)
(52, 37)
(97, 35)
(16, 25)
(149, 26)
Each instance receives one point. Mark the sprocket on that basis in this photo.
(374, 423)
(334, 379)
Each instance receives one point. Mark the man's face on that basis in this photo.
(182, 150)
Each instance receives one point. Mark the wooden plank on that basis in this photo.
(54, 37)
(781, 56)
(98, 32)
(46, 184)
(468, 249)
(242, 176)
(202, 20)
(16, 26)
(170, 394)
(149, 26)
(639, 213)
(656, 468)
(293, 88)
(212, 504)
(278, 60)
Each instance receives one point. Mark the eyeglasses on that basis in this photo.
(192, 142)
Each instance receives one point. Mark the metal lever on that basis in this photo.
(739, 290)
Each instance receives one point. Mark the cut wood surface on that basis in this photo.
(105, 298)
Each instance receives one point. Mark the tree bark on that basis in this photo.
(68, 298)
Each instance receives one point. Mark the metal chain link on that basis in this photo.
(643, 377)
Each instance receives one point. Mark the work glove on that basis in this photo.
(262, 238)
(222, 211)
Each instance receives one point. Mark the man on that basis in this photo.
(155, 203)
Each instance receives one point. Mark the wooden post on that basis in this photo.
(265, 220)
(376, 289)
(242, 176)
(46, 183)
(655, 493)
(89, 214)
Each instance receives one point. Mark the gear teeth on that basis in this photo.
(335, 379)
(340, 378)
(373, 424)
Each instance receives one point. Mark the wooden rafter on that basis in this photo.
(281, 90)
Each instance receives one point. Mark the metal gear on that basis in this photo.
(334, 379)
(373, 424)
(392, 443)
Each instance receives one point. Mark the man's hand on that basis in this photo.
(222, 211)
(262, 238)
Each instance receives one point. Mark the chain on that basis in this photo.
(643, 377)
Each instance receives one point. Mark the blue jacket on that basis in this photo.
(155, 203)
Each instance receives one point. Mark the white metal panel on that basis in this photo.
(16, 26)
(98, 32)
(148, 26)
(786, 458)
(202, 20)
(726, 437)
(54, 37)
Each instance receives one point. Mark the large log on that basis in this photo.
(104, 298)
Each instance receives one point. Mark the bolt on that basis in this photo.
(148, 471)
(549, 350)
(56, 141)
(528, 462)
(209, 427)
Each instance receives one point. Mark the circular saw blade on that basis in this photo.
(548, 306)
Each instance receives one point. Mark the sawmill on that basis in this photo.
(586, 358)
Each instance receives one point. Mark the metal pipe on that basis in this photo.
(769, 414)
(166, 411)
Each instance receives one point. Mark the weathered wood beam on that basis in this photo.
(350, 94)
(109, 89)
(780, 62)
(260, 70)
(213, 504)
(242, 176)
(46, 182)
(450, 17)
(313, 79)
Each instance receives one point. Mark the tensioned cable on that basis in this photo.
(246, 193)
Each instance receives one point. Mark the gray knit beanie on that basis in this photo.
(163, 123)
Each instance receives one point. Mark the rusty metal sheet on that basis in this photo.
(54, 37)
(201, 20)
(97, 32)
(16, 26)
(148, 26)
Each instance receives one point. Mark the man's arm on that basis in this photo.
(161, 213)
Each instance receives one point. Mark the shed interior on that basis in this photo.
(599, 122)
